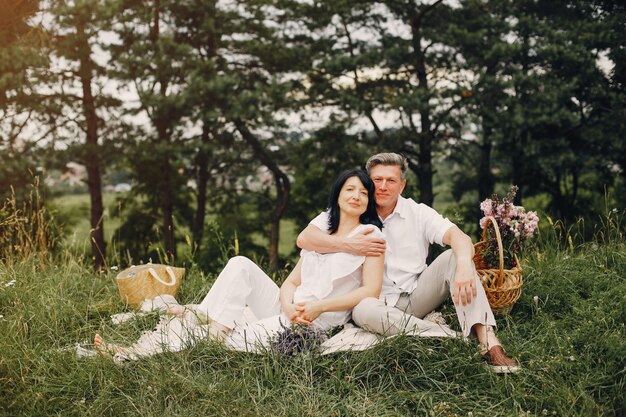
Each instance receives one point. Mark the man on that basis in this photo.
(411, 289)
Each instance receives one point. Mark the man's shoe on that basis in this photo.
(498, 362)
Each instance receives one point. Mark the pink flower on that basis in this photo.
(514, 223)
(487, 207)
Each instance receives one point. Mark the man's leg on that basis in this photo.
(372, 314)
(433, 288)
(241, 283)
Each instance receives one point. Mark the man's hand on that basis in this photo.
(363, 245)
(464, 288)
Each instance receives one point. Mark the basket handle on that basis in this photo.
(170, 272)
(500, 250)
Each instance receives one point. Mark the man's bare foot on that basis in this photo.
(107, 350)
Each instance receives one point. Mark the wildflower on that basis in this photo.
(514, 224)
(297, 338)
(486, 207)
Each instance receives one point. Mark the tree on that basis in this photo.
(401, 69)
(76, 27)
(156, 65)
(23, 68)
(238, 86)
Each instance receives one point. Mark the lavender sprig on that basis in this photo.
(298, 338)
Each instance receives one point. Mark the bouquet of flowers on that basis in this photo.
(297, 338)
(515, 226)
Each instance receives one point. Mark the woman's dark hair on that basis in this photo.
(369, 217)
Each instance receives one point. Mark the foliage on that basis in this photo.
(228, 109)
(317, 161)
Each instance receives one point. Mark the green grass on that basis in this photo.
(572, 347)
(74, 210)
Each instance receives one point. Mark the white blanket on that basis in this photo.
(174, 334)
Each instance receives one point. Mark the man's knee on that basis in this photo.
(446, 265)
(363, 311)
(448, 258)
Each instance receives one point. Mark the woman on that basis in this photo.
(321, 290)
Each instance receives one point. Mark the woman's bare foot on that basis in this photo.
(176, 310)
(218, 331)
(107, 350)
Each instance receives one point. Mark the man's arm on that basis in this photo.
(313, 239)
(464, 288)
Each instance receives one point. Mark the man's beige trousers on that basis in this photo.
(433, 288)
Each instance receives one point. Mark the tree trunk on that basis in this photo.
(426, 136)
(167, 197)
(161, 123)
(485, 177)
(282, 190)
(92, 161)
(518, 166)
(486, 181)
(202, 178)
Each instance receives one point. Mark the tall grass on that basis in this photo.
(571, 344)
(26, 227)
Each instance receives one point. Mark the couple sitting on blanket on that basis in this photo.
(365, 258)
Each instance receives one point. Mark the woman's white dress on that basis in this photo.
(242, 284)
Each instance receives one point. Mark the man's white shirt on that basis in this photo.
(409, 230)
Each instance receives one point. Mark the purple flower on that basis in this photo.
(514, 223)
(298, 338)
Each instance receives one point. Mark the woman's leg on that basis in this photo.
(241, 284)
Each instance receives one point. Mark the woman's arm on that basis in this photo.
(287, 290)
(373, 268)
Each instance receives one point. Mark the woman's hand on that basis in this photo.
(309, 311)
(293, 314)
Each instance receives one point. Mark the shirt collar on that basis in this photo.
(400, 208)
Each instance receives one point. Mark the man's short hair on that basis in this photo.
(388, 158)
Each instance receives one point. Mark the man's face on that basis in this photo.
(389, 185)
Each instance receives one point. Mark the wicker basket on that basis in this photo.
(145, 282)
(503, 286)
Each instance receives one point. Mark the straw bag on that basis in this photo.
(142, 282)
(503, 286)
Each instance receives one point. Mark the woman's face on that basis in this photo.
(353, 197)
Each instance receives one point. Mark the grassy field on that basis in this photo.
(74, 209)
(572, 347)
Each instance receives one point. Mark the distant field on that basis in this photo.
(74, 210)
